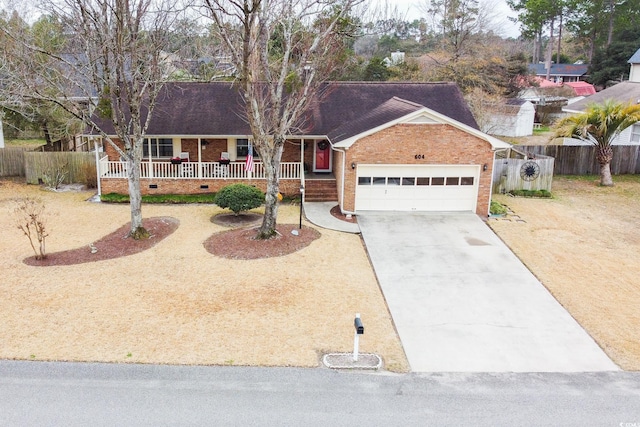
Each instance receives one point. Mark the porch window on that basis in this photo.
(157, 147)
(242, 148)
(635, 133)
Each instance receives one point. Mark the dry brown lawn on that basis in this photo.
(584, 246)
(175, 302)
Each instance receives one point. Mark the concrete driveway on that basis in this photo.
(463, 302)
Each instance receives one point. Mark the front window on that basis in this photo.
(635, 133)
(157, 147)
(242, 148)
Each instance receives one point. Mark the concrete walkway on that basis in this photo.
(319, 213)
(463, 302)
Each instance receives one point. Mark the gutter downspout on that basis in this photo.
(344, 160)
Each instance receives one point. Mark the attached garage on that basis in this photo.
(417, 187)
(403, 156)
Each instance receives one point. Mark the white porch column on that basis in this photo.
(150, 157)
(199, 157)
(98, 165)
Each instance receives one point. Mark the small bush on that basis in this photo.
(160, 198)
(55, 176)
(239, 197)
(543, 194)
(497, 208)
(89, 177)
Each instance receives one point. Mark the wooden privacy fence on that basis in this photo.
(520, 172)
(79, 167)
(12, 161)
(581, 159)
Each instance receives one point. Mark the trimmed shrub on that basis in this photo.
(543, 194)
(497, 208)
(239, 197)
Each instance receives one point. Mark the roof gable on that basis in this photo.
(406, 112)
(389, 111)
(635, 58)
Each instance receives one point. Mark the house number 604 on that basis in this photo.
(419, 156)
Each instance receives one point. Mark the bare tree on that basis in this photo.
(30, 218)
(108, 58)
(283, 50)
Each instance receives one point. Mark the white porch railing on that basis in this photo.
(197, 170)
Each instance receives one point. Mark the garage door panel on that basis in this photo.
(417, 187)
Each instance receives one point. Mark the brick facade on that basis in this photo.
(440, 144)
(288, 187)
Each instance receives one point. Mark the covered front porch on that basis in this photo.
(150, 169)
(201, 165)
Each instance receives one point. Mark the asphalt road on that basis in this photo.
(78, 394)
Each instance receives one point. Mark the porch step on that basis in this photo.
(320, 190)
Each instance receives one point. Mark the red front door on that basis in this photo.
(323, 157)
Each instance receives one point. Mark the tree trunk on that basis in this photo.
(137, 231)
(604, 157)
(559, 40)
(271, 164)
(549, 55)
(592, 45)
(611, 14)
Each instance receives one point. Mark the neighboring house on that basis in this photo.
(397, 58)
(581, 88)
(560, 73)
(628, 91)
(368, 146)
(515, 118)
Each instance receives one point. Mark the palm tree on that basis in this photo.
(599, 125)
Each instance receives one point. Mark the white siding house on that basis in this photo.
(628, 91)
(515, 119)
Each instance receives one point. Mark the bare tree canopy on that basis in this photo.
(282, 50)
(100, 61)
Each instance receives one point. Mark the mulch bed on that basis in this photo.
(242, 243)
(114, 245)
(239, 220)
(335, 211)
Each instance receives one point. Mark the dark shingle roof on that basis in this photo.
(393, 109)
(560, 69)
(205, 109)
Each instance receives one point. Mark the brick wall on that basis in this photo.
(440, 144)
(288, 187)
(291, 152)
(111, 152)
(212, 148)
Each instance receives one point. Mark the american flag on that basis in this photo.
(248, 164)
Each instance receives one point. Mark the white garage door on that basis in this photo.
(417, 187)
